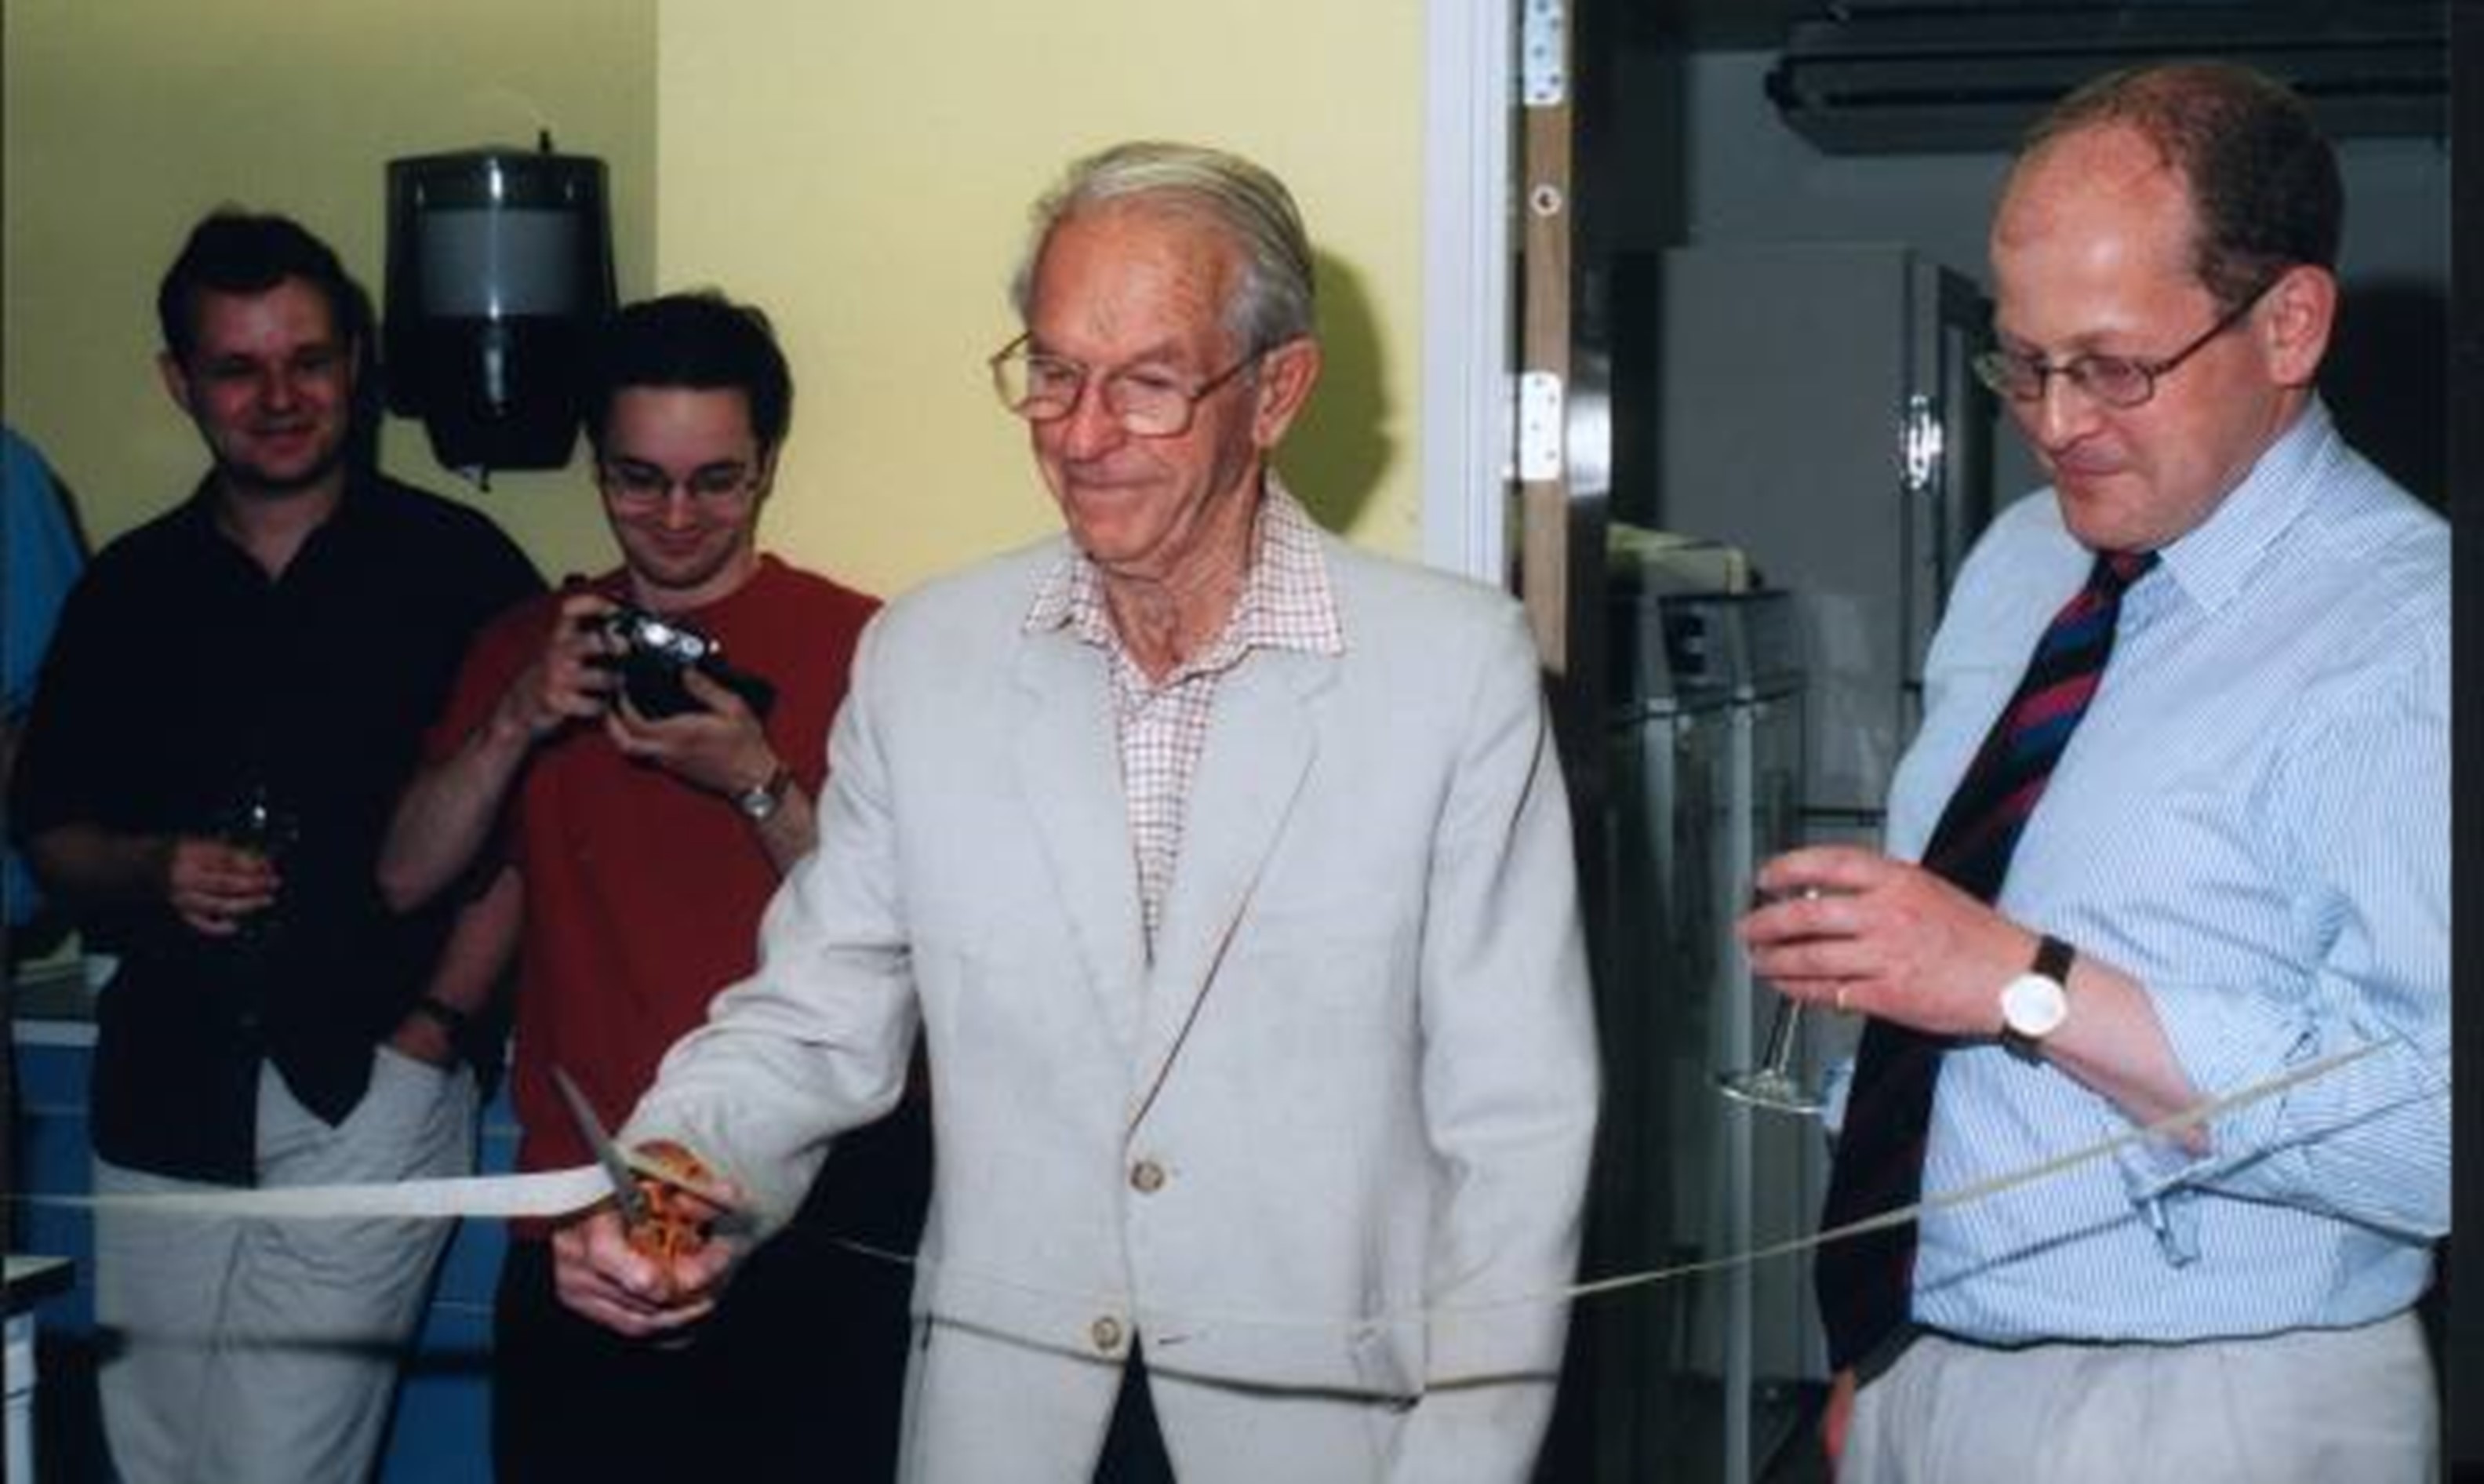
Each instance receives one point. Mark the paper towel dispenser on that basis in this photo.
(499, 268)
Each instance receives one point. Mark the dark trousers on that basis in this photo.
(1134, 1449)
(799, 1375)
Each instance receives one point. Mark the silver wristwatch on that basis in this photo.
(760, 801)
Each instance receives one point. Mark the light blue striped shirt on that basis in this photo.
(2253, 821)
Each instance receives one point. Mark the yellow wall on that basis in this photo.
(863, 172)
(125, 119)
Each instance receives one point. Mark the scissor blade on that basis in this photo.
(626, 1194)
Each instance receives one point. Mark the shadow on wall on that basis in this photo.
(1335, 457)
(2384, 380)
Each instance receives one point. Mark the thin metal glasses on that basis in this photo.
(639, 485)
(1150, 404)
(2116, 381)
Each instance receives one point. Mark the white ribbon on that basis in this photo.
(551, 1192)
(560, 1191)
(2189, 1118)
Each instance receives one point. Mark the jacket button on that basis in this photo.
(1146, 1178)
(1106, 1332)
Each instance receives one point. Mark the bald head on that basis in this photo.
(2260, 183)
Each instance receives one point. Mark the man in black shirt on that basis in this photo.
(234, 695)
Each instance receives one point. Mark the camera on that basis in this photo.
(651, 650)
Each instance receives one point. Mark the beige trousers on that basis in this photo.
(237, 1351)
(2305, 1407)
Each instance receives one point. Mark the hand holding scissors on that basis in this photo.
(655, 1259)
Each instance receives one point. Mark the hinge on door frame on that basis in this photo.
(1540, 427)
(1544, 54)
(1921, 443)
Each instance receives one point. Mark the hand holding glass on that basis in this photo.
(1773, 1081)
(255, 822)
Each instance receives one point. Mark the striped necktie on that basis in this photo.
(1866, 1282)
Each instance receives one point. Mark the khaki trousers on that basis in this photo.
(240, 1350)
(2303, 1407)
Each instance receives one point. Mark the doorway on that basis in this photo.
(1685, 140)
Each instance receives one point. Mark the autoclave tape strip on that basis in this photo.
(558, 1193)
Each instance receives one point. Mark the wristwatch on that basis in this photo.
(2035, 1004)
(760, 801)
(448, 1017)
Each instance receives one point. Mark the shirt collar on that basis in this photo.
(1286, 603)
(199, 513)
(2211, 562)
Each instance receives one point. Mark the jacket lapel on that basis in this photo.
(1261, 745)
(1069, 773)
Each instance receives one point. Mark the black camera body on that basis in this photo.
(650, 652)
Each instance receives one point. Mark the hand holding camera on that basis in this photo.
(683, 708)
(661, 687)
(572, 680)
(652, 653)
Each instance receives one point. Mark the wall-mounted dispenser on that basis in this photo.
(499, 266)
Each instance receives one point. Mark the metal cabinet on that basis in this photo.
(1812, 405)
(1696, 1375)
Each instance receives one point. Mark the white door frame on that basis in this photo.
(1469, 66)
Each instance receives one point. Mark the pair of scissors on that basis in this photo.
(627, 1195)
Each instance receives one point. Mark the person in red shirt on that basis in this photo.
(648, 830)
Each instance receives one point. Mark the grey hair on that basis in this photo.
(1274, 302)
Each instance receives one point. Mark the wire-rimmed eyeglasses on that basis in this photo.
(1044, 388)
(2115, 381)
(628, 482)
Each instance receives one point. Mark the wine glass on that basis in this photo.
(1773, 1083)
(257, 821)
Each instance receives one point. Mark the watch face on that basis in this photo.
(2033, 1006)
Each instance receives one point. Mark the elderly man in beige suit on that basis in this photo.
(1227, 871)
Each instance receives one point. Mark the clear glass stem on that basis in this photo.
(1773, 1083)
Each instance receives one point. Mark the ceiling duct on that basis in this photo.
(1882, 77)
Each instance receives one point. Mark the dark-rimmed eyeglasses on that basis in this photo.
(2116, 381)
(1042, 387)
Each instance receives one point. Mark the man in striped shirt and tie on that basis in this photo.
(2173, 839)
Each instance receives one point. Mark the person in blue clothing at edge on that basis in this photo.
(2236, 873)
(44, 555)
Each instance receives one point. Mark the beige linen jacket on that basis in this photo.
(1324, 1153)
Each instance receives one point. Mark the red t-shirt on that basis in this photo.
(643, 892)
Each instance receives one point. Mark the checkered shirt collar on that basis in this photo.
(1286, 602)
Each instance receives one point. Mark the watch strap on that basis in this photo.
(2054, 957)
(448, 1017)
